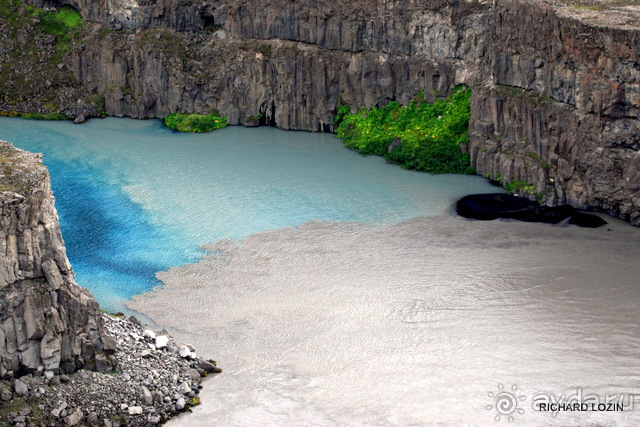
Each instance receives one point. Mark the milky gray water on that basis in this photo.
(339, 290)
(412, 324)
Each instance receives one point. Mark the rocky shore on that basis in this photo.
(154, 378)
(62, 361)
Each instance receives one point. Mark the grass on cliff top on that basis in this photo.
(195, 122)
(64, 23)
(422, 136)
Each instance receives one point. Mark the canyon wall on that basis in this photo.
(47, 321)
(555, 83)
(289, 64)
(560, 109)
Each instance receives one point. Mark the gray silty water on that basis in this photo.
(410, 324)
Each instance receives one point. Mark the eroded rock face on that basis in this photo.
(282, 63)
(47, 321)
(560, 110)
(556, 85)
(585, 160)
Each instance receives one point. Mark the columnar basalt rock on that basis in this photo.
(47, 321)
(585, 160)
(560, 109)
(288, 63)
(292, 64)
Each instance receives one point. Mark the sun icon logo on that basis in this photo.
(506, 402)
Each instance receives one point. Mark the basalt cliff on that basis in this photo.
(47, 321)
(62, 361)
(556, 84)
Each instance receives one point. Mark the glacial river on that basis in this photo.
(340, 290)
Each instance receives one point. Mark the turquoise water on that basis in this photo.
(135, 198)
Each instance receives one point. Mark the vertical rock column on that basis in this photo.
(47, 321)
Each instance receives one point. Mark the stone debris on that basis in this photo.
(21, 388)
(162, 341)
(141, 391)
(185, 352)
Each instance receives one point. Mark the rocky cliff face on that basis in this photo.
(46, 320)
(289, 64)
(556, 83)
(560, 110)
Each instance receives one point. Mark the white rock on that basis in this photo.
(184, 351)
(149, 334)
(184, 388)
(162, 341)
(48, 375)
(135, 410)
(180, 404)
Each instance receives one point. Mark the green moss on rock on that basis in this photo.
(195, 122)
(421, 136)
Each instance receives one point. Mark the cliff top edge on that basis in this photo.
(20, 171)
(621, 14)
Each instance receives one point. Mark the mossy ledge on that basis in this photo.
(422, 136)
(195, 123)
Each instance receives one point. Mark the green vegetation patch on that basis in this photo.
(540, 99)
(422, 136)
(17, 404)
(195, 122)
(65, 25)
(48, 116)
(519, 187)
(60, 23)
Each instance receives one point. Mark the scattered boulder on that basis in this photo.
(184, 351)
(21, 388)
(166, 383)
(162, 341)
(135, 410)
(180, 404)
(147, 398)
(75, 418)
(208, 366)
